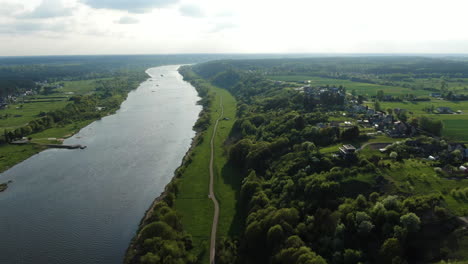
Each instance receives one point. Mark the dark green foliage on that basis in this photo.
(350, 133)
(433, 127)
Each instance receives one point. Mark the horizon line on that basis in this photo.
(248, 54)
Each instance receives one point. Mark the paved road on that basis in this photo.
(212, 196)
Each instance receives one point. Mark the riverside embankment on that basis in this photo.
(68, 206)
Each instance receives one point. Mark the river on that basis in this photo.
(84, 206)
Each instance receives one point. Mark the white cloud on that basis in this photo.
(223, 26)
(127, 20)
(49, 9)
(133, 6)
(191, 11)
(167, 26)
(10, 9)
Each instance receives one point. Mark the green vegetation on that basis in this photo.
(191, 201)
(361, 88)
(10, 155)
(49, 98)
(303, 204)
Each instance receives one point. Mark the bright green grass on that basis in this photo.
(10, 155)
(44, 103)
(80, 87)
(192, 201)
(368, 89)
(59, 132)
(455, 125)
(415, 176)
(417, 107)
(26, 113)
(456, 128)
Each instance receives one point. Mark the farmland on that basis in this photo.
(455, 125)
(367, 89)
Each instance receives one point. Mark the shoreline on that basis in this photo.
(132, 247)
(38, 148)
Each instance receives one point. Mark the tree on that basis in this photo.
(380, 95)
(411, 222)
(431, 126)
(377, 106)
(350, 133)
(390, 250)
(351, 256)
(360, 99)
(275, 236)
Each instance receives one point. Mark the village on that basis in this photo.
(392, 123)
(41, 87)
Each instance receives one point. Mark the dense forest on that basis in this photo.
(301, 204)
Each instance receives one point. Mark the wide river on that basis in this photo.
(84, 206)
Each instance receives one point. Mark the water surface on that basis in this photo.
(84, 206)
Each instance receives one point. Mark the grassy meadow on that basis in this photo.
(28, 108)
(455, 125)
(368, 89)
(192, 201)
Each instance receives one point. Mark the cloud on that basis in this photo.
(191, 11)
(26, 28)
(49, 9)
(223, 26)
(132, 6)
(8, 9)
(127, 20)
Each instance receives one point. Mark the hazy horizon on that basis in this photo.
(123, 27)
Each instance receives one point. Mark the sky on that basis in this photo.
(79, 27)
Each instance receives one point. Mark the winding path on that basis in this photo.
(214, 226)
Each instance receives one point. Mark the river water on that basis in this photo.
(84, 206)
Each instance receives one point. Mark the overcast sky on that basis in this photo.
(43, 27)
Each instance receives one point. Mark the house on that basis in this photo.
(444, 110)
(347, 151)
(436, 95)
(402, 129)
(370, 112)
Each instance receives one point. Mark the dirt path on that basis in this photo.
(212, 196)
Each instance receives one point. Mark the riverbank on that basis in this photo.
(187, 193)
(95, 199)
(133, 253)
(10, 154)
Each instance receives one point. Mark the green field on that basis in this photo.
(192, 201)
(10, 155)
(21, 114)
(455, 125)
(456, 128)
(417, 107)
(367, 89)
(80, 87)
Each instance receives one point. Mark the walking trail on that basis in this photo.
(212, 196)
